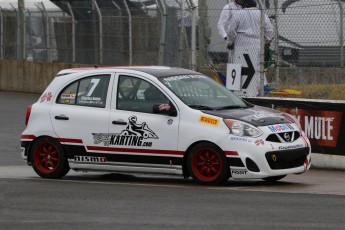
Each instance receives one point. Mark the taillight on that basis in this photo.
(27, 116)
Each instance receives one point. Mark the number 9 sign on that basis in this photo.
(233, 76)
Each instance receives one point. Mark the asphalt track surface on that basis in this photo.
(314, 200)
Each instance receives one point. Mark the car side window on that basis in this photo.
(135, 94)
(89, 91)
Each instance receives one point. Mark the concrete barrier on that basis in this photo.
(29, 76)
(326, 161)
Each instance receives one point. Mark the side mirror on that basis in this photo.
(164, 109)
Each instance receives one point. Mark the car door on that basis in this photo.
(81, 114)
(137, 135)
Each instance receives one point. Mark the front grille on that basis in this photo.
(287, 159)
(287, 137)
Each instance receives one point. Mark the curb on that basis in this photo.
(326, 161)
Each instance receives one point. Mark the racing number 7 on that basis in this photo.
(95, 82)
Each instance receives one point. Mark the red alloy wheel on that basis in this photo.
(206, 164)
(46, 157)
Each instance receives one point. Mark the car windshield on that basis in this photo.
(203, 93)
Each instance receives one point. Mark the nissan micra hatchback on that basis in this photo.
(158, 120)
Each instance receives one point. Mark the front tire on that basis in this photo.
(48, 158)
(208, 164)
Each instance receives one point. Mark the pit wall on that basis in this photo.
(29, 76)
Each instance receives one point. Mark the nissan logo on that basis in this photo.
(287, 136)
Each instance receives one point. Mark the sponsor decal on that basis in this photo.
(70, 96)
(239, 172)
(259, 142)
(90, 100)
(259, 115)
(67, 97)
(181, 77)
(280, 128)
(321, 127)
(86, 98)
(241, 139)
(209, 120)
(290, 147)
(90, 159)
(274, 157)
(46, 96)
(163, 107)
(134, 135)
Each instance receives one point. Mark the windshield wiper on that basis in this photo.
(201, 107)
(231, 107)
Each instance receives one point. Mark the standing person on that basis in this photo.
(225, 16)
(243, 31)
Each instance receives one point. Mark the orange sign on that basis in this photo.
(209, 120)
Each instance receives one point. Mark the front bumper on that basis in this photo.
(287, 159)
(261, 158)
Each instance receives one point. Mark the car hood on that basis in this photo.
(256, 115)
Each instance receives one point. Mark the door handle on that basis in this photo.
(119, 123)
(62, 117)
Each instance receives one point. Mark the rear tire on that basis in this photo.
(48, 158)
(207, 164)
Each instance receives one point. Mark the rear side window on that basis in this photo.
(90, 91)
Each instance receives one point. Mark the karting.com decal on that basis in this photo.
(134, 135)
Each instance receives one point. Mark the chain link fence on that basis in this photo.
(307, 50)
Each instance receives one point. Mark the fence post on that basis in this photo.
(30, 55)
(21, 30)
(100, 24)
(46, 29)
(341, 33)
(73, 30)
(193, 42)
(1, 35)
(130, 37)
(262, 47)
(17, 31)
(276, 32)
(183, 44)
(202, 32)
(163, 32)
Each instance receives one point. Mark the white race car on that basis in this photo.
(158, 120)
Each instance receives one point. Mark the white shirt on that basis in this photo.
(244, 28)
(225, 17)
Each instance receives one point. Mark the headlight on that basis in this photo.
(242, 129)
